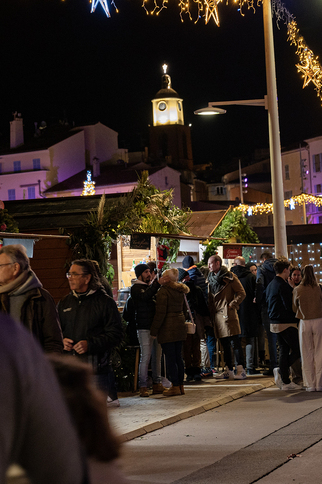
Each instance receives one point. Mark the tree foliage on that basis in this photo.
(7, 222)
(145, 209)
(234, 225)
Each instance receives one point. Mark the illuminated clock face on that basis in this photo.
(162, 106)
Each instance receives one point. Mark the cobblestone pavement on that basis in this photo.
(137, 416)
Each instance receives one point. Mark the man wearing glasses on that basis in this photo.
(25, 300)
(91, 323)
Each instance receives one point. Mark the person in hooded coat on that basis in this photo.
(169, 327)
(248, 315)
(225, 295)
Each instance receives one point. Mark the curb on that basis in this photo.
(217, 402)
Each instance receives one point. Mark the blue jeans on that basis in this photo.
(250, 352)
(174, 362)
(148, 347)
(211, 345)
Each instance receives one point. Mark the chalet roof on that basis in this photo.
(52, 213)
(203, 224)
(110, 175)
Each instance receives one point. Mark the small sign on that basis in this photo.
(140, 241)
(232, 252)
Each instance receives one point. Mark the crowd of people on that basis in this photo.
(231, 311)
(235, 311)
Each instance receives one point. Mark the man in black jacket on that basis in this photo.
(25, 300)
(143, 296)
(283, 323)
(91, 324)
(265, 274)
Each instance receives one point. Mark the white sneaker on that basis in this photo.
(225, 375)
(241, 373)
(291, 387)
(112, 403)
(277, 378)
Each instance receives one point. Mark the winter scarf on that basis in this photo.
(216, 280)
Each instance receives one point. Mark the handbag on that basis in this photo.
(190, 325)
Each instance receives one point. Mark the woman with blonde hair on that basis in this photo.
(169, 326)
(307, 304)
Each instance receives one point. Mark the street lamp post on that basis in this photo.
(279, 224)
(270, 103)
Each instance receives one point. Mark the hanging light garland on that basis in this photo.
(265, 208)
(308, 65)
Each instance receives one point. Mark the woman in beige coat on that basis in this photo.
(169, 326)
(307, 304)
(225, 294)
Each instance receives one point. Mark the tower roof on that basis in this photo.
(166, 89)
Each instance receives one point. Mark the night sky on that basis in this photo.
(60, 61)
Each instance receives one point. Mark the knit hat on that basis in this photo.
(182, 273)
(140, 268)
(188, 262)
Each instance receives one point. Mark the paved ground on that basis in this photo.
(228, 439)
(138, 416)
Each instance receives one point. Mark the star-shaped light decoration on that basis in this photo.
(310, 68)
(104, 6)
(212, 10)
(292, 204)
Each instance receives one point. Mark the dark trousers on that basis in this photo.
(271, 338)
(106, 383)
(191, 353)
(232, 343)
(289, 351)
(174, 362)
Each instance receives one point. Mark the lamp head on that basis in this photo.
(209, 111)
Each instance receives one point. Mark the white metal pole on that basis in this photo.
(279, 224)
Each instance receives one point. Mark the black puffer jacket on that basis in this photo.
(143, 296)
(279, 297)
(248, 313)
(93, 317)
(265, 274)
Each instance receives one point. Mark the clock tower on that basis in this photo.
(170, 139)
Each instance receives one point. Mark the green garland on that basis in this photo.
(234, 225)
(7, 222)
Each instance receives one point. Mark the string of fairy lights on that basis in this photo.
(265, 208)
(308, 63)
(89, 185)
